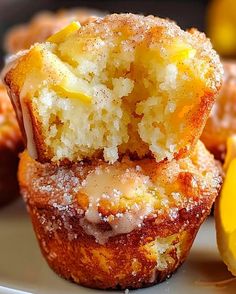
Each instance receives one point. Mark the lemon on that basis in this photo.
(68, 91)
(225, 210)
(221, 26)
(64, 33)
(181, 51)
(231, 151)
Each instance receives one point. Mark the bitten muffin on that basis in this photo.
(124, 84)
(126, 225)
(10, 145)
(43, 25)
(221, 123)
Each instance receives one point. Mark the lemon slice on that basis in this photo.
(181, 51)
(225, 210)
(231, 151)
(64, 33)
(67, 91)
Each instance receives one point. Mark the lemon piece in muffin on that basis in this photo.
(64, 33)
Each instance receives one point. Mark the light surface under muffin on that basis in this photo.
(221, 123)
(128, 225)
(43, 25)
(122, 84)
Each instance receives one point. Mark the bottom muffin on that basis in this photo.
(126, 225)
(10, 145)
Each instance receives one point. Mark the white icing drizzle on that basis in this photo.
(31, 147)
(11, 62)
(28, 130)
(111, 183)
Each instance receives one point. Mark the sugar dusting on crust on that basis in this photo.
(129, 192)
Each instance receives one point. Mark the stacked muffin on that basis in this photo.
(18, 38)
(114, 177)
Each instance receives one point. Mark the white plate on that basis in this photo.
(23, 269)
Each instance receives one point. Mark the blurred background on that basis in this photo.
(216, 17)
(187, 13)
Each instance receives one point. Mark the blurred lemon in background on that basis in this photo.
(225, 210)
(221, 26)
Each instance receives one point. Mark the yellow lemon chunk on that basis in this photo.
(64, 33)
(225, 215)
(231, 151)
(181, 51)
(68, 91)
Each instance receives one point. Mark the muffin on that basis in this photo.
(221, 123)
(43, 25)
(10, 145)
(126, 225)
(124, 84)
(114, 177)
